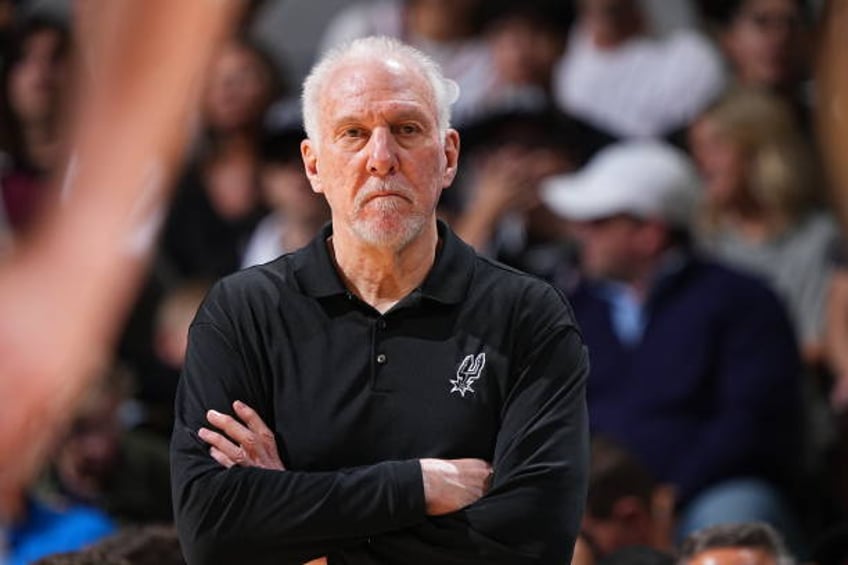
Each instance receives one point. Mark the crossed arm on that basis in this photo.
(449, 485)
(242, 505)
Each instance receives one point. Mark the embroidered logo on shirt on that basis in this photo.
(469, 371)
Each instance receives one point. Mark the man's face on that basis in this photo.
(609, 246)
(765, 42)
(380, 159)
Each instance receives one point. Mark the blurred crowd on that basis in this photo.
(658, 161)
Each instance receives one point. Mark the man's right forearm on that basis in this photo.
(242, 514)
(313, 513)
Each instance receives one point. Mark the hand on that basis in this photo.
(250, 446)
(505, 183)
(451, 485)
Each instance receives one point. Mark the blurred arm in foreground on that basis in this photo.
(64, 293)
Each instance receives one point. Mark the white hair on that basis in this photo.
(378, 48)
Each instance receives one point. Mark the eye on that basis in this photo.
(354, 132)
(408, 129)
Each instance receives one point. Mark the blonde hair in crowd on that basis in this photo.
(780, 175)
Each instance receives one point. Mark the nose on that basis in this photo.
(382, 153)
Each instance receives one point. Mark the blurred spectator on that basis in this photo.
(735, 544)
(147, 545)
(625, 507)
(494, 206)
(100, 464)
(696, 370)
(620, 78)
(218, 203)
(766, 42)
(158, 382)
(447, 30)
(32, 78)
(760, 213)
(297, 213)
(527, 39)
(42, 529)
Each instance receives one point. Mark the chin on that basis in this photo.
(389, 231)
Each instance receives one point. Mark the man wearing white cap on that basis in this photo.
(695, 368)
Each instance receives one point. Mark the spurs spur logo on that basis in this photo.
(469, 371)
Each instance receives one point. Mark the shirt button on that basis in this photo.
(381, 324)
(381, 359)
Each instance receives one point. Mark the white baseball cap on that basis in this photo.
(645, 178)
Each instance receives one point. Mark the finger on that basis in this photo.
(221, 443)
(249, 416)
(234, 429)
(221, 457)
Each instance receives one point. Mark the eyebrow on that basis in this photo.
(402, 115)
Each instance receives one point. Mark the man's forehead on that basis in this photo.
(372, 79)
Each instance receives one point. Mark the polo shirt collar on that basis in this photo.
(446, 282)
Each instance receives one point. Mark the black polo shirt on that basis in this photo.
(480, 361)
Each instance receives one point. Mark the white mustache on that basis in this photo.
(375, 186)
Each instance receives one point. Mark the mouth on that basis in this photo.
(384, 194)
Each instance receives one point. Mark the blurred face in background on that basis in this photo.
(721, 161)
(611, 248)
(238, 91)
(765, 42)
(36, 79)
(610, 22)
(525, 52)
(89, 453)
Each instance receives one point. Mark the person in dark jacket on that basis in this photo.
(695, 369)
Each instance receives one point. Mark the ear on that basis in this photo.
(451, 156)
(310, 164)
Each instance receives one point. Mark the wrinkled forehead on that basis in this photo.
(367, 80)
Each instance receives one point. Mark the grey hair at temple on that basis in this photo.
(445, 91)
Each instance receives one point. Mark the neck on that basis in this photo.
(640, 284)
(750, 221)
(382, 276)
(640, 278)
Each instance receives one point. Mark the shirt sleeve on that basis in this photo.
(532, 513)
(257, 516)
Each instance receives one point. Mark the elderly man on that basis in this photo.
(424, 405)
